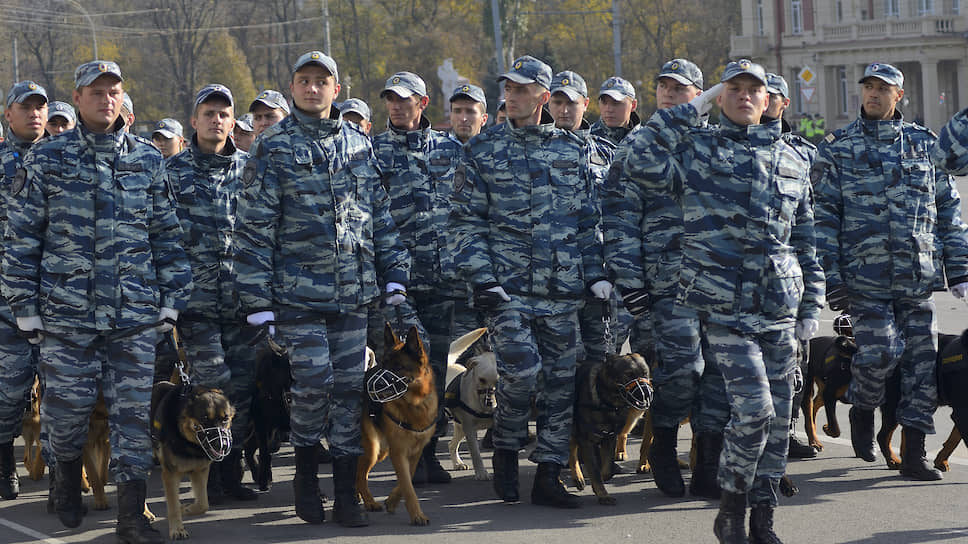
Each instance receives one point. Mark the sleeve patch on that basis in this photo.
(248, 173)
(460, 178)
(19, 180)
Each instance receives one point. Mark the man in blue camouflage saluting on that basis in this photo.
(315, 245)
(884, 212)
(93, 264)
(524, 236)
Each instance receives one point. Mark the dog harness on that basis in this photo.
(452, 399)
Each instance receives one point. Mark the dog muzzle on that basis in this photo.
(486, 397)
(216, 442)
(843, 326)
(638, 393)
(384, 385)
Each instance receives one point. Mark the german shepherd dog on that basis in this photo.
(270, 411)
(33, 461)
(399, 417)
(190, 428)
(605, 394)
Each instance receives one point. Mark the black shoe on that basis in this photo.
(505, 481)
(761, 525)
(9, 481)
(230, 469)
(799, 450)
(216, 495)
(51, 503)
(68, 504)
(133, 527)
(705, 475)
(913, 462)
(665, 465)
(548, 489)
(862, 433)
(435, 473)
(347, 510)
(730, 524)
(305, 486)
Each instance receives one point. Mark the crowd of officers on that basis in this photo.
(709, 246)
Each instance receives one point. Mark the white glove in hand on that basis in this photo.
(704, 102)
(806, 329)
(259, 318)
(601, 289)
(960, 290)
(397, 298)
(167, 313)
(29, 324)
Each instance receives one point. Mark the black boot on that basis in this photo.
(730, 524)
(862, 433)
(347, 510)
(704, 481)
(548, 489)
(216, 494)
(133, 526)
(761, 525)
(9, 481)
(505, 463)
(913, 462)
(51, 503)
(305, 486)
(665, 466)
(436, 474)
(799, 450)
(230, 469)
(67, 493)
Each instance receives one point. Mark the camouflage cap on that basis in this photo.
(169, 128)
(617, 88)
(570, 84)
(126, 103)
(884, 72)
(472, 92)
(271, 99)
(61, 109)
(528, 69)
(739, 67)
(213, 89)
(319, 58)
(775, 84)
(244, 122)
(404, 85)
(89, 71)
(355, 105)
(24, 89)
(683, 71)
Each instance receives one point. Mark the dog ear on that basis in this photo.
(389, 337)
(414, 345)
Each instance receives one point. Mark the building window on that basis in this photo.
(842, 90)
(840, 11)
(892, 8)
(759, 18)
(955, 7)
(796, 15)
(925, 7)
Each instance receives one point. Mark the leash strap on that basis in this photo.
(608, 338)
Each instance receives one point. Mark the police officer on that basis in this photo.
(267, 109)
(617, 103)
(168, 137)
(356, 111)
(468, 112)
(883, 213)
(418, 164)
(524, 236)
(60, 118)
(314, 237)
(568, 102)
(207, 179)
(93, 265)
(127, 112)
(754, 284)
(26, 116)
(501, 114)
(244, 133)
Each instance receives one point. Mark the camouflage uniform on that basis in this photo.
(884, 212)
(524, 218)
(615, 134)
(314, 237)
(748, 280)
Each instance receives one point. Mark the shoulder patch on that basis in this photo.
(248, 172)
(19, 180)
(830, 138)
(460, 178)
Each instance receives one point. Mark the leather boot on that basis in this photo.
(505, 463)
(730, 524)
(436, 474)
(862, 433)
(67, 493)
(51, 503)
(305, 486)
(913, 461)
(216, 494)
(665, 466)
(133, 526)
(9, 481)
(761, 525)
(548, 489)
(705, 481)
(230, 469)
(347, 510)
(799, 450)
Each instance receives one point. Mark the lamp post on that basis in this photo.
(90, 21)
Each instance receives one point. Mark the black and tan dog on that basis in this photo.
(828, 373)
(399, 417)
(605, 393)
(190, 428)
(953, 392)
(269, 411)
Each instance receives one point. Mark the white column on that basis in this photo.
(932, 111)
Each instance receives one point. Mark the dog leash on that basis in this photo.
(608, 338)
(99, 341)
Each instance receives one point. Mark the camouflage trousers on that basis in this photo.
(642, 336)
(890, 334)
(327, 361)
(591, 317)
(536, 356)
(758, 374)
(400, 317)
(466, 318)
(17, 368)
(122, 367)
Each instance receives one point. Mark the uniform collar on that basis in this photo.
(415, 139)
(765, 133)
(317, 126)
(545, 126)
(887, 131)
(108, 141)
(21, 145)
(212, 160)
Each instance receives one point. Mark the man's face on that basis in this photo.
(313, 90)
(59, 125)
(467, 117)
(264, 117)
(243, 138)
(522, 100)
(567, 114)
(28, 119)
(744, 100)
(213, 122)
(405, 112)
(616, 113)
(167, 146)
(99, 104)
(669, 93)
(777, 106)
(501, 116)
(880, 98)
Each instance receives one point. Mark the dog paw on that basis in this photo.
(893, 462)
(787, 487)
(373, 506)
(579, 483)
(178, 533)
(482, 476)
(941, 465)
(644, 468)
(101, 504)
(193, 509)
(419, 520)
(460, 466)
(833, 432)
(607, 500)
(817, 445)
(620, 456)
(149, 515)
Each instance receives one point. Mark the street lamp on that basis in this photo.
(90, 21)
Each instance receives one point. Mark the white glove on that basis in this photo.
(704, 102)
(29, 324)
(259, 318)
(601, 289)
(395, 299)
(806, 329)
(167, 313)
(960, 290)
(500, 291)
